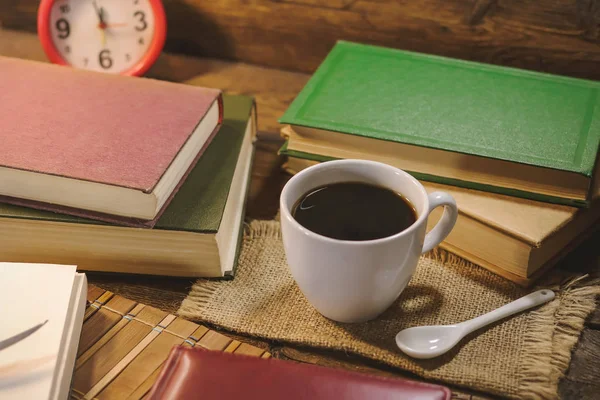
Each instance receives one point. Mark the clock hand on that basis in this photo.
(100, 13)
(102, 16)
(101, 24)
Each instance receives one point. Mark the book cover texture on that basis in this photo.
(485, 110)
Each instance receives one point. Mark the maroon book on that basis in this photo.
(98, 145)
(192, 373)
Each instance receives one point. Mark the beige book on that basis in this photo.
(554, 184)
(515, 238)
(39, 365)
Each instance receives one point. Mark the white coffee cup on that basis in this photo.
(355, 281)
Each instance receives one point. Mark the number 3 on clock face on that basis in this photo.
(115, 36)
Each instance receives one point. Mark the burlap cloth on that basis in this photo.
(521, 357)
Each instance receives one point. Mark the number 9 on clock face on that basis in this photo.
(114, 36)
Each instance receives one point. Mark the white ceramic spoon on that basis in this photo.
(433, 341)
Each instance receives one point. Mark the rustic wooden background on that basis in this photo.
(557, 36)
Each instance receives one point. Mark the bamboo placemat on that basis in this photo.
(123, 345)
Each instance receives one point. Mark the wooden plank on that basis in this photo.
(569, 389)
(120, 305)
(199, 333)
(96, 304)
(248, 350)
(232, 347)
(585, 362)
(145, 386)
(123, 388)
(123, 322)
(104, 298)
(213, 340)
(96, 327)
(594, 320)
(93, 293)
(150, 316)
(182, 328)
(545, 35)
(273, 89)
(335, 4)
(582, 381)
(109, 355)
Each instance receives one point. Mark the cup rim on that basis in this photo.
(367, 163)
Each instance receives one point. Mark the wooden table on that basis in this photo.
(274, 89)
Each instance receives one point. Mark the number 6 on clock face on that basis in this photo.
(115, 36)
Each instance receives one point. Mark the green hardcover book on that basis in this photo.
(487, 127)
(198, 235)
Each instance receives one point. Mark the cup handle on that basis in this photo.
(445, 224)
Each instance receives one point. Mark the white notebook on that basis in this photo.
(39, 366)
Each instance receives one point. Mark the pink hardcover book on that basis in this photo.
(101, 146)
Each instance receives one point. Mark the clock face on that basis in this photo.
(102, 35)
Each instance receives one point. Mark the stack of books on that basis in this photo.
(517, 149)
(121, 174)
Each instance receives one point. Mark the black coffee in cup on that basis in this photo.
(354, 211)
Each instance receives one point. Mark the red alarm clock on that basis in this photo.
(115, 36)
